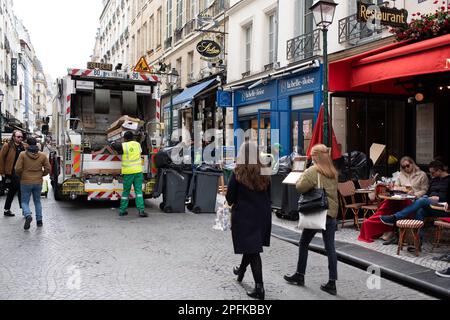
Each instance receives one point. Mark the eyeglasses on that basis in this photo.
(19, 137)
(406, 167)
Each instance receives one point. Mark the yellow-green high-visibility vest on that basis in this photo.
(131, 159)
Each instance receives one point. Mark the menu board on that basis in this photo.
(425, 133)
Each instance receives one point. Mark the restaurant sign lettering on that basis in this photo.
(374, 14)
(209, 48)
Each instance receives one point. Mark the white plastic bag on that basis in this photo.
(223, 217)
(313, 221)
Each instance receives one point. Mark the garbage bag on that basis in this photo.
(208, 168)
(355, 166)
(285, 165)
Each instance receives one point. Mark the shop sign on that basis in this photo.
(209, 48)
(250, 95)
(14, 72)
(143, 89)
(224, 99)
(297, 83)
(371, 13)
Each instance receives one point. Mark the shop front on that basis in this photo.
(195, 105)
(286, 107)
(396, 96)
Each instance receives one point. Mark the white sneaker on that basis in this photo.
(444, 273)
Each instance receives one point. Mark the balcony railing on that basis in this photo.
(189, 27)
(168, 43)
(353, 31)
(178, 34)
(217, 8)
(304, 46)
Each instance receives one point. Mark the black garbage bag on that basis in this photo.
(208, 168)
(355, 166)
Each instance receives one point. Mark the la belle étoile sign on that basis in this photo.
(371, 13)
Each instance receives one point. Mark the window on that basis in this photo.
(309, 17)
(179, 14)
(159, 27)
(272, 38)
(138, 41)
(191, 65)
(151, 33)
(169, 19)
(193, 9)
(179, 69)
(248, 47)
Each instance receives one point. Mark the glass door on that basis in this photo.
(302, 125)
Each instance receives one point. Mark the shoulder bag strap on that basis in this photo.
(318, 181)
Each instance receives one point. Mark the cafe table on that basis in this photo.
(397, 197)
(365, 193)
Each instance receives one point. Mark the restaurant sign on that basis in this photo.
(209, 48)
(374, 14)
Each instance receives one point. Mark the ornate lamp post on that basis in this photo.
(323, 11)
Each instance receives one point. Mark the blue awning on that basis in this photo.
(189, 94)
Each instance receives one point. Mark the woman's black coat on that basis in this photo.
(251, 218)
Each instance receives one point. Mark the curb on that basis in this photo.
(420, 278)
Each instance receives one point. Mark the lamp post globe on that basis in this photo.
(323, 12)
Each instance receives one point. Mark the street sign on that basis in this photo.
(85, 85)
(142, 66)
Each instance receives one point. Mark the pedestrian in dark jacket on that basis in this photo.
(249, 195)
(8, 158)
(31, 167)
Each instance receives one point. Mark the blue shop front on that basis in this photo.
(288, 104)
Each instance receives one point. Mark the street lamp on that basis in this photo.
(2, 95)
(172, 79)
(323, 11)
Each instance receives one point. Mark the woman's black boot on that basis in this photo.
(330, 288)
(258, 293)
(296, 278)
(240, 273)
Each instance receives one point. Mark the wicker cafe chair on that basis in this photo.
(372, 206)
(347, 190)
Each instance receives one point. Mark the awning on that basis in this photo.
(189, 94)
(377, 70)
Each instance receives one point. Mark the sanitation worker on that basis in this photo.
(132, 175)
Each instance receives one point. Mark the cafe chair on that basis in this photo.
(366, 184)
(441, 225)
(348, 190)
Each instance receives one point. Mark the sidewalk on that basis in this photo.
(406, 268)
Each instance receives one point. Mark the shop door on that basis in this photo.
(302, 125)
(270, 121)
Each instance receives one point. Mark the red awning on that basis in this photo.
(377, 70)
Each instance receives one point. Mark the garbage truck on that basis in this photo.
(92, 110)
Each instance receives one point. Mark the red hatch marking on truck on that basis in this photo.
(86, 73)
(75, 71)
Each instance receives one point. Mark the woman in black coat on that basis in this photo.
(249, 195)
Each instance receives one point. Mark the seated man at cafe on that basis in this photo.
(437, 193)
(411, 180)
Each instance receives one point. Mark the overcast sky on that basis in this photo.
(62, 31)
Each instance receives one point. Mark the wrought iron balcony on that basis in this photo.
(168, 43)
(178, 34)
(352, 31)
(304, 46)
(189, 27)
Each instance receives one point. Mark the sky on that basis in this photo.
(61, 31)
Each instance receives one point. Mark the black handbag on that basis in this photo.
(314, 200)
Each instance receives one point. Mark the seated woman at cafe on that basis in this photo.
(411, 180)
(437, 193)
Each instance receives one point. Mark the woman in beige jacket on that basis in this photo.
(323, 166)
(412, 177)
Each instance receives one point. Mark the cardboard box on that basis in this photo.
(125, 119)
(376, 152)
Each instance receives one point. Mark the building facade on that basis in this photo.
(112, 41)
